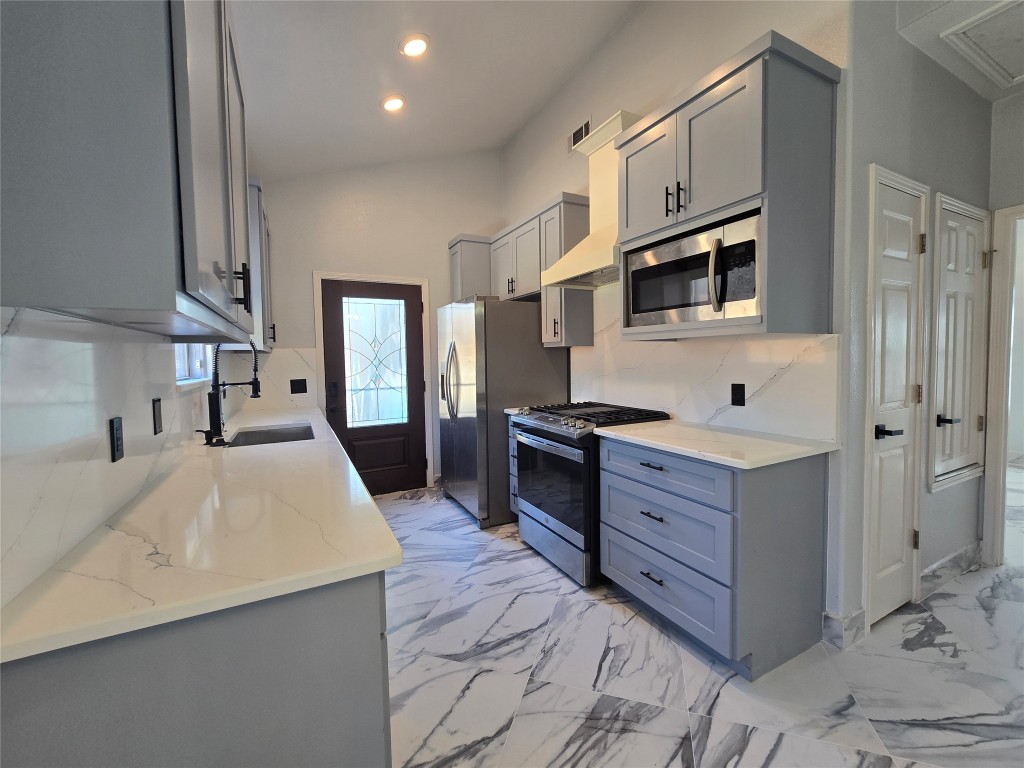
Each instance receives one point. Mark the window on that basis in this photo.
(192, 362)
(375, 366)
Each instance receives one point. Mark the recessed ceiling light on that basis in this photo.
(392, 103)
(414, 45)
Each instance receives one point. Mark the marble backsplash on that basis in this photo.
(791, 380)
(61, 379)
(277, 369)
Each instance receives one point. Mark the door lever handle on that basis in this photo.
(881, 432)
(941, 420)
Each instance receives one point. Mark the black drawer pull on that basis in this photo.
(645, 513)
(940, 420)
(651, 466)
(647, 575)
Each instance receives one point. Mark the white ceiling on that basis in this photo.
(314, 73)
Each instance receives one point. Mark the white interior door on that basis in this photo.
(961, 331)
(899, 212)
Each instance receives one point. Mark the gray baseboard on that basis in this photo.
(935, 576)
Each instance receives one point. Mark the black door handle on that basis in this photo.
(647, 575)
(680, 193)
(668, 201)
(652, 466)
(940, 420)
(645, 513)
(881, 432)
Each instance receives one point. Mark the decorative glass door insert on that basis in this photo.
(376, 375)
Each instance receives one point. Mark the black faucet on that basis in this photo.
(215, 434)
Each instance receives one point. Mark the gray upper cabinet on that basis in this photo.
(469, 259)
(718, 146)
(732, 138)
(116, 150)
(264, 333)
(503, 267)
(567, 313)
(647, 180)
(515, 261)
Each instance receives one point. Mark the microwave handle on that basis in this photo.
(716, 303)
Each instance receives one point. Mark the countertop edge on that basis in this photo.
(799, 449)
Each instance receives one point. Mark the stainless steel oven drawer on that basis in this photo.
(687, 478)
(693, 534)
(693, 602)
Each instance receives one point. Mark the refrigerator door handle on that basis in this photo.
(447, 397)
(454, 375)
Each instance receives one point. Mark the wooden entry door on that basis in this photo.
(374, 384)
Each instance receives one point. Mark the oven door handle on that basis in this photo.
(716, 303)
(565, 451)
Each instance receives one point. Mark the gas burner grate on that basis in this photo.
(602, 414)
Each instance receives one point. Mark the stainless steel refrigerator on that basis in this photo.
(490, 358)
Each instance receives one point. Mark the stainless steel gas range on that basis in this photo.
(553, 462)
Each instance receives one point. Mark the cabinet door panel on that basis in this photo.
(551, 311)
(647, 182)
(502, 267)
(719, 144)
(239, 168)
(198, 35)
(551, 237)
(526, 244)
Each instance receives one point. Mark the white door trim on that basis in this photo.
(879, 175)
(997, 413)
(429, 402)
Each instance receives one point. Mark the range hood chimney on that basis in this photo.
(595, 259)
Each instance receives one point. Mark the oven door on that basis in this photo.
(712, 275)
(553, 485)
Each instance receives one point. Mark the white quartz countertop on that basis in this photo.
(732, 448)
(226, 527)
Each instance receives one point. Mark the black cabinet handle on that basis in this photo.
(940, 420)
(273, 331)
(243, 275)
(555, 323)
(680, 196)
(508, 286)
(645, 513)
(647, 575)
(513, 285)
(668, 201)
(652, 466)
(881, 432)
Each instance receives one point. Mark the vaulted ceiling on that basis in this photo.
(314, 73)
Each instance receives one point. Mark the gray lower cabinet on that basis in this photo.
(735, 558)
(298, 680)
(124, 188)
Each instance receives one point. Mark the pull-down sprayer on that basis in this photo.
(215, 434)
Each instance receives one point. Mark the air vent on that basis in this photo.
(578, 135)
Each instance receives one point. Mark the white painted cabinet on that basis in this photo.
(117, 157)
(469, 259)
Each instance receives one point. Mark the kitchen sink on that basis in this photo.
(286, 433)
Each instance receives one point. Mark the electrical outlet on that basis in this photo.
(739, 394)
(298, 386)
(158, 419)
(116, 439)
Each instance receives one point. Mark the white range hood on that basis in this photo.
(595, 259)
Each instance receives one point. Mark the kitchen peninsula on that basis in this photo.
(232, 612)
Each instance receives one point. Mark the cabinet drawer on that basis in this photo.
(693, 602)
(691, 533)
(675, 474)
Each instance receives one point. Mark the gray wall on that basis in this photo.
(912, 116)
(1007, 187)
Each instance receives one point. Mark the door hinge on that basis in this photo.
(917, 539)
(981, 423)
(918, 393)
(986, 258)
(923, 244)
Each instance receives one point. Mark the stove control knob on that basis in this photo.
(566, 421)
(524, 411)
(580, 424)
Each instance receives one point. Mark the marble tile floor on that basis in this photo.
(497, 659)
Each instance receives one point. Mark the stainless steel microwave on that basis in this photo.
(714, 274)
